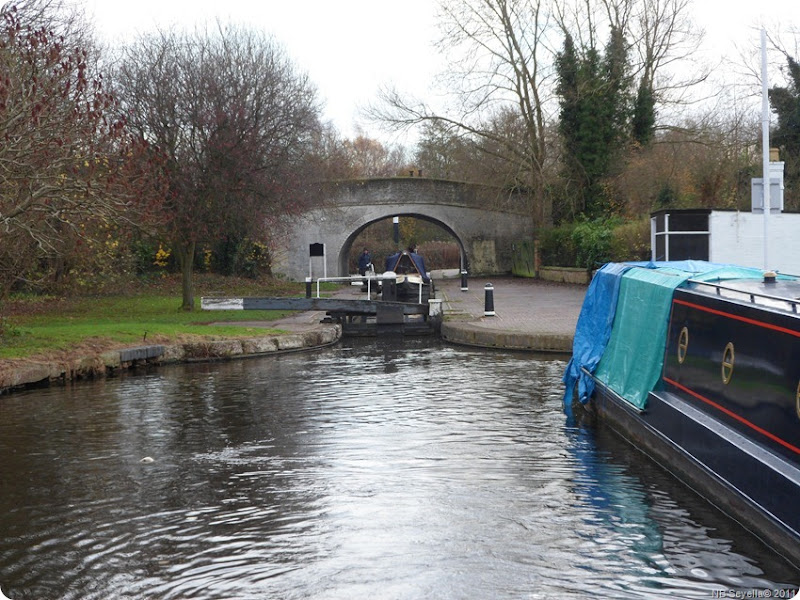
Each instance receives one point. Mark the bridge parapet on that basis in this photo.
(420, 190)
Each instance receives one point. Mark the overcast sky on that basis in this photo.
(350, 48)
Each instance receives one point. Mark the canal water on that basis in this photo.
(373, 469)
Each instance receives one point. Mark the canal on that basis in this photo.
(372, 469)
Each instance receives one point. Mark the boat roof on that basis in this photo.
(733, 282)
(405, 262)
(783, 294)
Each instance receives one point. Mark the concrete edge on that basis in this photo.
(113, 361)
(469, 334)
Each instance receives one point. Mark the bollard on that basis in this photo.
(464, 286)
(435, 308)
(488, 310)
(389, 287)
(308, 287)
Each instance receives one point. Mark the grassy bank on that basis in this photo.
(36, 326)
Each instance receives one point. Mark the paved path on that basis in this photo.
(530, 314)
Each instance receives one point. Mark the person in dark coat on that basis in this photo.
(391, 261)
(364, 261)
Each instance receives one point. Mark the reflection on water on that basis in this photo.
(374, 469)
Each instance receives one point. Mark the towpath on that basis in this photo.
(529, 315)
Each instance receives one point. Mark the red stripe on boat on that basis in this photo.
(739, 318)
(733, 415)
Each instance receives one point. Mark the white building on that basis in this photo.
(731, 236)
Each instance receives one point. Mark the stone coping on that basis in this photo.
(107, 363)
(469, 334)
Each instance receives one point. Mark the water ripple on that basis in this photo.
(373, 469)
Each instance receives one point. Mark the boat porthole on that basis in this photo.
(683, 345)
(797, 401)
(727, 363)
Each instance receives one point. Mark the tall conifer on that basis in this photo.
(785, 102)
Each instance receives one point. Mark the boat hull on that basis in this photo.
(743, 479)
(408, 289)
(755, 389)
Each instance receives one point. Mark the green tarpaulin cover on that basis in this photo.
(631, 364)
(634, 301)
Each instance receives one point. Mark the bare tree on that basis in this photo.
(501, 59)
(233, 120)
(65, 161)
(706, 162)
(665, 40)
(369, 157)
(503, 54)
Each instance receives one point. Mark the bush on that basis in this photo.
(590, 244)
(592, 241)
(557, 248)
(631, 241)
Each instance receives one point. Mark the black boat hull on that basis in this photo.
(408, 290)
(743, 479)
(756, 389)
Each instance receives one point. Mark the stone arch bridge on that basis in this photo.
(485, 222)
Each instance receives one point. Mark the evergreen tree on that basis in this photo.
(644, 114)
(595, 117)
(569, 116)
(786, 135)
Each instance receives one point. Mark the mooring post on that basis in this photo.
(464, 286)
(308, 287)
(389, 287)
(435, 313)
(488, 309)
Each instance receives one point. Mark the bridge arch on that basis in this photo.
(485, 221)
(347, 246)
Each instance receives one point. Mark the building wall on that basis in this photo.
(736, 237)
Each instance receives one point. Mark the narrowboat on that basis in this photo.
(698, 365)
(413, 282)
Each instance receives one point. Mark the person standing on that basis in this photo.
(364, 261)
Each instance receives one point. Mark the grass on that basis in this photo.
(35, 326)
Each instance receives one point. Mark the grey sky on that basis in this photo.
(351, 47)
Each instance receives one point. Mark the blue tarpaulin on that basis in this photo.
(592, 331)
(639, 335)
(634, 356)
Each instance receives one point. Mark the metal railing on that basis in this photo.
(368, 278)
(350, 278)
(734, 293)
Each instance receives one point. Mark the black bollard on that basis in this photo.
(464, 286)
(308, 287)
(488, 310)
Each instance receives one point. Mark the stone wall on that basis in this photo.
(484, 221)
